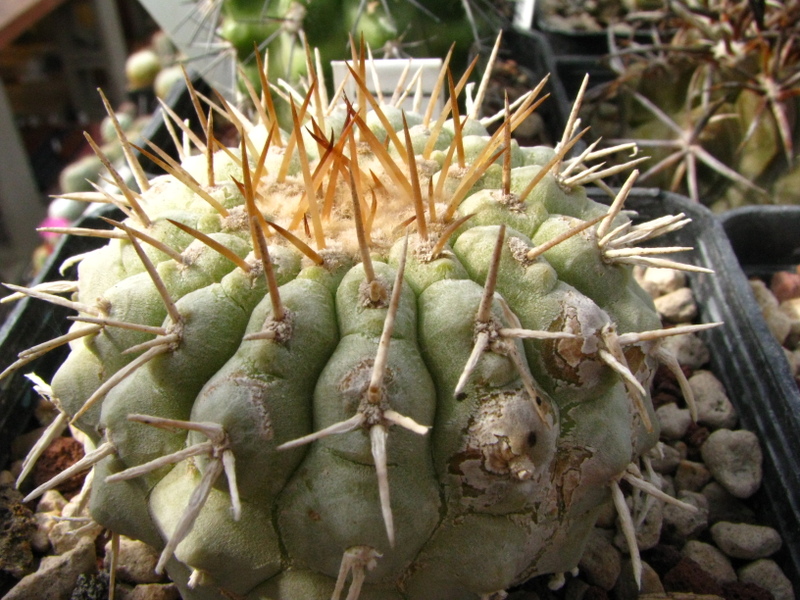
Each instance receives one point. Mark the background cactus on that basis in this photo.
(383, 352)
(392, 29)
(713, 99)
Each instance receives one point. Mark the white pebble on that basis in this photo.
(678, 306)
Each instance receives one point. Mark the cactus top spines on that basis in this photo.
(333, 354)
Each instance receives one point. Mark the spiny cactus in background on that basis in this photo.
(382, 352)
(392, 28)
(714, 100)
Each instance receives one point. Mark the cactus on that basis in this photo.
(391, 28)
(713, 99)
(384, 354)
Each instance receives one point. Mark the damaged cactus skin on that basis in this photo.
(428, 391)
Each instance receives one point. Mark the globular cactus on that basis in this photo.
(385, 352)
(713, 99)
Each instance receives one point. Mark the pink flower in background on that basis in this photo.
(53, 222)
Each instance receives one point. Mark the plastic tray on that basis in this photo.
(32, 322)
(765, 239)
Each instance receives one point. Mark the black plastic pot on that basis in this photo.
(33, 322)
(765, 239)
(744, 354)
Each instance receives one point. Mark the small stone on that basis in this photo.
(674, 421)
(626, 587)
(742, 540)
(657, 281)
(734, 459)
(714, 408)
(62, 452)
(764, 297)
(40, 540)
(688, 576)
(767, 574)
(67, 533)
(17, 526)
(741, 590)
(157, 591)
(648, 533)
(91, 587)
(681, 524)
(56, 577)
(51, 501)
(677, 306)
(722, 506)
(7, 479)
(137, 561)
(595, 593)
(607, 515)
(662, 558)
(601, 561)
(688, 348)
(711, 560)
(791, 308)
(665, 459)
(575, 589)
(691, 476)
(651, 582)
(785, 285)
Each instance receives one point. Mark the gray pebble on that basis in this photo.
(601, 561)
(722, 506)
(674, 421)
(665, 459)
(688, 348)
(649, 532)
(691, 476)
(768, 575)
(742, 540)
(155, 591)
(714, 408)
(626, 585)
(681, 524)
(137, 561)
(714, 562)
(734, 459)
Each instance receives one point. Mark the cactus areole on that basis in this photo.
(384, 355)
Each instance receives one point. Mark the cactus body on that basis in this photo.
(424, 394)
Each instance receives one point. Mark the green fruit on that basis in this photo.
(141, 68)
